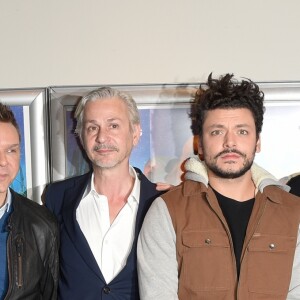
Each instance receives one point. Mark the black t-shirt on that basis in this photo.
(237, 215)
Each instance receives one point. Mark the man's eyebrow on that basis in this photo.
(242, 125)
(12, 146)
(216, 126)
(89, 121)
(96, 122)
(223, 126)
(113, 119)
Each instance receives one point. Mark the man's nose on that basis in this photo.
(230, 140)
(3, 159)
(101, 135)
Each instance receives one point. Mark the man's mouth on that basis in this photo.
(230, 154)
(105, 148)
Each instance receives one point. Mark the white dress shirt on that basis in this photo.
(109, 243)
(4, 208)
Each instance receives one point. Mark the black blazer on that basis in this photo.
(80, 276)
(294, 183)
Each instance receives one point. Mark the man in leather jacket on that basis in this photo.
(28, 231)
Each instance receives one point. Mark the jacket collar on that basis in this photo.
(196, 170)
(72, 198)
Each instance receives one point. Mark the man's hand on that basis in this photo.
(162, 186)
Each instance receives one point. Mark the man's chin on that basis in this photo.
(105, 165)
(4, 187)
(230, 173)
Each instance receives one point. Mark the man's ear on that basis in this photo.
(200, 148)
(137, 133)
(258, 145)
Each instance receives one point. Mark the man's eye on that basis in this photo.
(92, 128)
(243, 132)
(216, 132)
(114, 126)
(11, 150)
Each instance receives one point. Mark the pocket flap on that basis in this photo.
(195, 239)
(272, 243)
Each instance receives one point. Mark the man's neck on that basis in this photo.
(240, 189)
(116, 184)
(2, 198)
(113, 182)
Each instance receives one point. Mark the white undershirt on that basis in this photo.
(110, 243)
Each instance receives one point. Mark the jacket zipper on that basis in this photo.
(261, 212)
(8, 249)
(19, 248)
(229, 237)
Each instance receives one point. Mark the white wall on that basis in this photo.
(73, 42)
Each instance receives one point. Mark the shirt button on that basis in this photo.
(106, 290)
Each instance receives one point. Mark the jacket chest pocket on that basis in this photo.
(269, 266)
(206, 261)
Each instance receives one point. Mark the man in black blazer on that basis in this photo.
(294, 183)
(101, 213)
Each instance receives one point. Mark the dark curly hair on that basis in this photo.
(226, 93)
(7, 116)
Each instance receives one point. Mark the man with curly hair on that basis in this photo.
(230, 230)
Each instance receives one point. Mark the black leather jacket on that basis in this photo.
(32, 251)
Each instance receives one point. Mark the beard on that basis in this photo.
(229, 173)
(110, 160)
(103, 161)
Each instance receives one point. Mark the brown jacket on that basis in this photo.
(205, 255)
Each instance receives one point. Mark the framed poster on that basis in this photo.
(30, 110)
(280, 137)
(167, 139)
